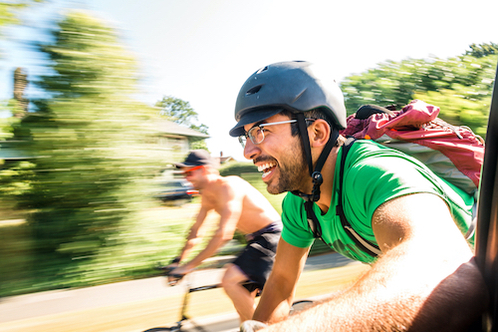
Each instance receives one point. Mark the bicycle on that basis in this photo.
(249, 285)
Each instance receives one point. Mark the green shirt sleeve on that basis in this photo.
(296, 230)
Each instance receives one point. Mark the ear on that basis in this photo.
(319, 132)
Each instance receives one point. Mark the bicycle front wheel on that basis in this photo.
(163, 329)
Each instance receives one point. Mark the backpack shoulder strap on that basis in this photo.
(370, 248)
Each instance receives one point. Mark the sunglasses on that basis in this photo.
(189, 172)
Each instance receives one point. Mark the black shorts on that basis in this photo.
(257, 258)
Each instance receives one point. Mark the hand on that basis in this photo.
(171, 266)
(177, 274)
(252, 325)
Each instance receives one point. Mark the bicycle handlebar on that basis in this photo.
(167, 273)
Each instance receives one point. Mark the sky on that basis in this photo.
(202, 51)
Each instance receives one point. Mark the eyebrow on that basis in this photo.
(256, 125)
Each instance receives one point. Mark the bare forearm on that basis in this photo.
(214, 244)
(187, 248)
(281, 285)
(408, 300)
(275, 304)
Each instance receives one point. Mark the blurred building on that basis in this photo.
(223, 159)
(176, 138)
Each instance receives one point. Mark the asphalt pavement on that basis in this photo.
(64, 301)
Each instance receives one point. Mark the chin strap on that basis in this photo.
(316, 175)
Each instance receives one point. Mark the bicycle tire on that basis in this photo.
(162, 329)
(300, 306)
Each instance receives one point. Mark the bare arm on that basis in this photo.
(229, 217)
(193, 237)
(426, 280)
(281, 285)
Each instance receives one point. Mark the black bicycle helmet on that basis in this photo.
(291, 86)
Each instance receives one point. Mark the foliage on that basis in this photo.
(179, 111)
(89, 142)
(198, 143)
(15, 181)
(237, 168)
(482, 50)
(9, 11)
(460, 86)
(6, 124)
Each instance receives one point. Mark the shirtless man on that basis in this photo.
(241, 207)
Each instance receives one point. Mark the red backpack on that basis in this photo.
(453, 153)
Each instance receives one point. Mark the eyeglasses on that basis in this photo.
(189, 172)
(257, 133)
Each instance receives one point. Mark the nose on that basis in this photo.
(251, 150)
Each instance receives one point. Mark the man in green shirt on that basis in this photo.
(425, 277)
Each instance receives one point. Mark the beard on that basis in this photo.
(291, 178)
(292, 173)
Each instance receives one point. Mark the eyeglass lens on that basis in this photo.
(255, 134)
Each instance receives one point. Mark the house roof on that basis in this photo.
(168, 127)
(9, 152)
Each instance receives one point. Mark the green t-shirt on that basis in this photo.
(373, 174)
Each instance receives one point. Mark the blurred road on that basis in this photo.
(38, 305)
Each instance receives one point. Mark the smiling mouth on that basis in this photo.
(266, 168)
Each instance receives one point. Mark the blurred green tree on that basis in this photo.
(90, 143)
(9, 11)
(10, 179)
(482, 50)
(9, 15)
(461, 86)
(179, 111)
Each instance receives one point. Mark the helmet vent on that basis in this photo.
(262, 70)
(254, 90)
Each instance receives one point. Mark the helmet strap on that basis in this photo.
(315, 174)
(305, 140)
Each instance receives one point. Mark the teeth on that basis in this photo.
(265, 167)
